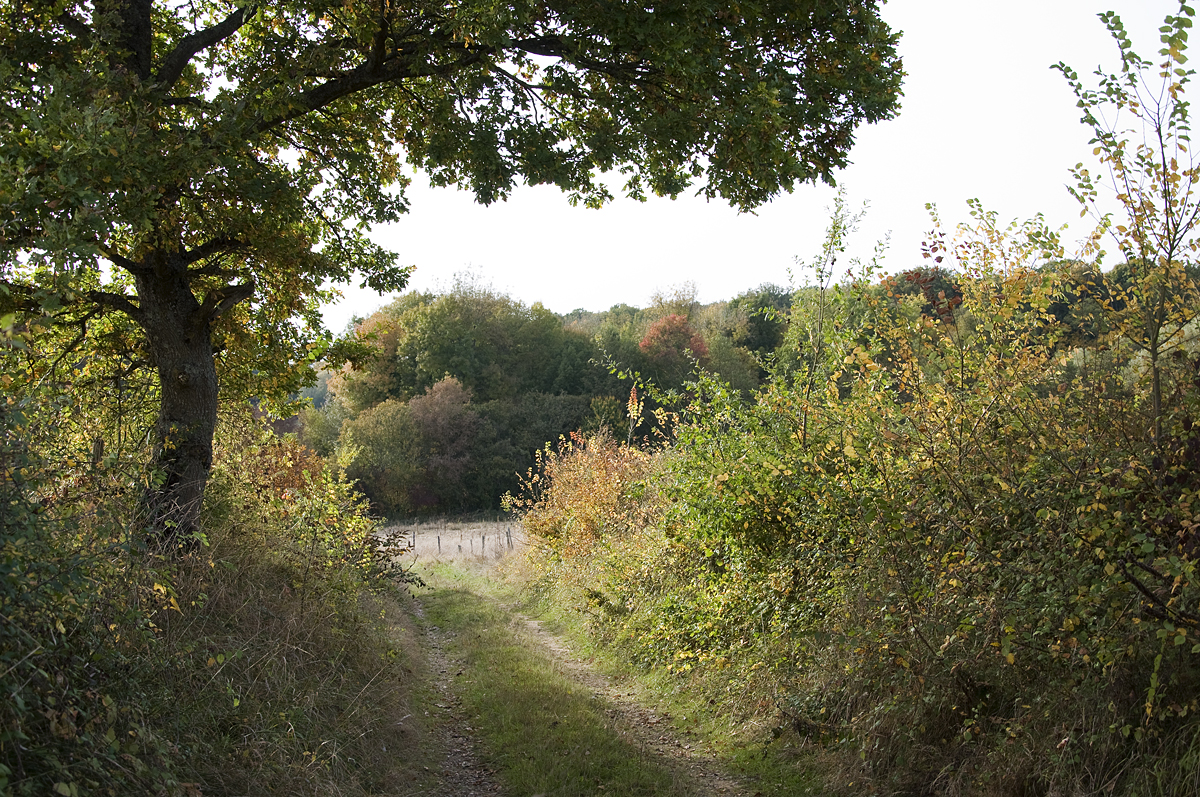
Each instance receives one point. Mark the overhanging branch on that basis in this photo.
(178, 59)
(368, 75)
(116, 301)
(637, 72)
(212, 247)
(121, 261)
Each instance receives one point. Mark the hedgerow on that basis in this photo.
(954, 535)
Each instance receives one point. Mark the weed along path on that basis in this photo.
(518, 712)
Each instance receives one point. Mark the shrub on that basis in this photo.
(950, 544)
(321, 426)
(583, 491)
(950, 532)
(66, 726)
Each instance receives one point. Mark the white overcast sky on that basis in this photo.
(983, 116)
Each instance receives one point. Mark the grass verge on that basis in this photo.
(729, 717)
(270, 693)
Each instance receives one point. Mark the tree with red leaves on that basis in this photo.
(671, 345)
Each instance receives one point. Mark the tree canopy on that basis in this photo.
(224, 160)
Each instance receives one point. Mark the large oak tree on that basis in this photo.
(223, 160)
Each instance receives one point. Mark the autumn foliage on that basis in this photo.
(583, 491)
(671, 344)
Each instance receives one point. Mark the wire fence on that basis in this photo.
(451, 540)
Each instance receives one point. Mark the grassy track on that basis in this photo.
(545, 733)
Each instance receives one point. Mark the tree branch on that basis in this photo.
(1162, 607)
(379, 44)
(214, 269)
(116, 301)
(637, 72)
(178, 59)
(546, 46)
(219, 300)
(364, 77)
(70, 347)
(212, 247)
(120, 260)
(76, 27)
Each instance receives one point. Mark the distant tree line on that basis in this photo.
(446, 397)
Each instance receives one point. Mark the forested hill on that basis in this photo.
(450, 395)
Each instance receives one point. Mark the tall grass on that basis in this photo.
(272, 659)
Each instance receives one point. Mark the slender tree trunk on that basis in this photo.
(178, 332)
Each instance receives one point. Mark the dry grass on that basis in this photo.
(267, 687)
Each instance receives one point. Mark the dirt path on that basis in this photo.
(695, 769)
(462, 772)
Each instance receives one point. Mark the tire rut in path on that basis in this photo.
(694, 768)
(462, 772)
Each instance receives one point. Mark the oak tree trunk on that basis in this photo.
(178, 331)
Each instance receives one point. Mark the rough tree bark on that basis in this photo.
(178, 330)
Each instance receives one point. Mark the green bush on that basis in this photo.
(320, 427)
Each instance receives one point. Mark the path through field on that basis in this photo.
(471, 664)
